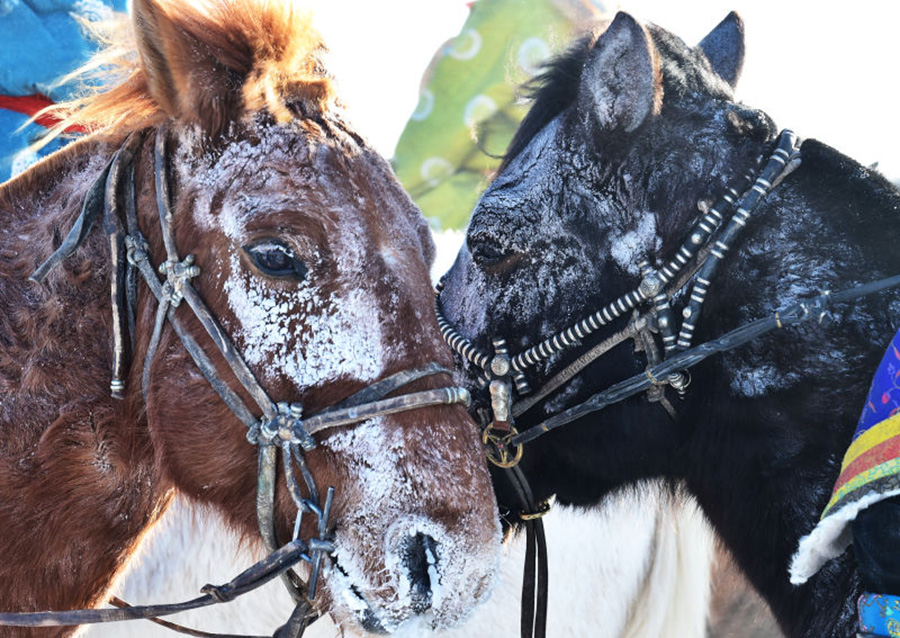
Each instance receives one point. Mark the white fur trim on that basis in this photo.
(830, 537)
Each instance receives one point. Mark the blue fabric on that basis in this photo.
(884, 395)
(879, 615)
(15, 156)
(41, 40)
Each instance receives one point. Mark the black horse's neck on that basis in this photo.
(766, 426)
(760, 435)
(762, 483)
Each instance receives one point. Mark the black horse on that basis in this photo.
(632, 139)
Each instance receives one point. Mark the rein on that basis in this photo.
(696, 262)
(282, 426)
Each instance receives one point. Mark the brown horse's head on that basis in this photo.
(316, 264)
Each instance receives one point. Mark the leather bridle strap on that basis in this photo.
(535, 581)
(655, 286)
(115, 601)
(631, 331)
(281, 426)
(809, 309)
(248, 580)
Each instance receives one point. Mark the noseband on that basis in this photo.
(281, 426)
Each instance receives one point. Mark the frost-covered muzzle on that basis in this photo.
(402, 558)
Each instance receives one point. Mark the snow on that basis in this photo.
(759, 381)
(375, 457)
(340, 339)
(337, 337)
(633, 245)
(332, 324)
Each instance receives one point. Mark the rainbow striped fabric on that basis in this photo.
(872, 462)
(870, 472)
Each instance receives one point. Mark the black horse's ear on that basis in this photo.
(620, 83)
(724, 48)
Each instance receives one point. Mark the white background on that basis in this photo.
(827, 70)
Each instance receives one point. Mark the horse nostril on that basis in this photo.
(420, 559)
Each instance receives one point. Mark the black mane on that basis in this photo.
(552, 92)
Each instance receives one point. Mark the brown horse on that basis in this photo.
(315, 263)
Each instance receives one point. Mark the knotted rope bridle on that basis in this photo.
(282, 426)
(690, 273)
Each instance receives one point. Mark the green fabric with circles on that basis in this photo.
(469, 108)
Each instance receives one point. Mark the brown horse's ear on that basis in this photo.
(724, 48)
(621, 84)
(182, 74)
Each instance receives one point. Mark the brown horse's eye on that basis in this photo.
(276, 259)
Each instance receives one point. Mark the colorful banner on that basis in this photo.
(470, 103)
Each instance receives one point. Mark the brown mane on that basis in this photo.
(255, 55)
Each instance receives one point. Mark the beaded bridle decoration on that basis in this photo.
(697, 260)
(691, 271)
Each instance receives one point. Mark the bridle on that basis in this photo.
(689, 275)
(281, 426)
(697, 260)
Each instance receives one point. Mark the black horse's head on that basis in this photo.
(630, 132)
(633, 135)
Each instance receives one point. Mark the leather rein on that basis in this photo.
(281, 426)
(690, 272)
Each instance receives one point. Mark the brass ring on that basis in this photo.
(543, 509)
(498, 448)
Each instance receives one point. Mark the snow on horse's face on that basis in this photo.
(315, 263)
(590, 183)
(318, 267)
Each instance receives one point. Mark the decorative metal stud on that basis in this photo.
(500, 403)
(501, 363)
(651, 283)
(680, 381)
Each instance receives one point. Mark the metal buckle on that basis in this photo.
(542, 509)
(499, 450)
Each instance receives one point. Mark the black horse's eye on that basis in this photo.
(276, 259)
(487, 252)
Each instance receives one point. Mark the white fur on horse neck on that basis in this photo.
(637, 567)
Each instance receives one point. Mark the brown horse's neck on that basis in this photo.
(78, 481)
